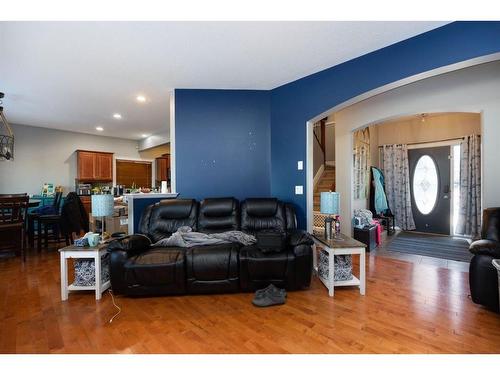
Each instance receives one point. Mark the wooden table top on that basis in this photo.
(83, 248)
(343, 241)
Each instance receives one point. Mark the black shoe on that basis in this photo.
(271, 289)
(269, 296)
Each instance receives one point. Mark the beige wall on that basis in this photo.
(48, 155)
(475, 89)
(155, 152)
(435, 127)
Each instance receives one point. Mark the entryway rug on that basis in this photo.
(443, 247)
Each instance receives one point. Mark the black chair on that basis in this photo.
(483, 278)
(12, 222)
(33, 217)
(71, 221)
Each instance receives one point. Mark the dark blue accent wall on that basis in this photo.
(222, 143)
(297, 102)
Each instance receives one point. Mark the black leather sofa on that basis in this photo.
(483, 278)
(139, 269)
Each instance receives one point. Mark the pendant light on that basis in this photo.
(6, 135)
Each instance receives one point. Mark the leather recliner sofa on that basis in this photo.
(483, 278)
(138, 269)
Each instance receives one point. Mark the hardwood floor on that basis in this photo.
(408, 308)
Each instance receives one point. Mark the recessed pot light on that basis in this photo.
(99, 128)
(140, 98)
(117, 116)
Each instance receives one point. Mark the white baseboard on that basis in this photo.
(318, 174)
(331, 163)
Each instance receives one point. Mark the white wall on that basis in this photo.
(475, 89)
(48, 155)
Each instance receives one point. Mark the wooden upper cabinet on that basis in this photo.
(104, 167)
(86, 164)
(163, 168)
(94, 166)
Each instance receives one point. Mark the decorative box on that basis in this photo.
(85, 271)
(343, 266)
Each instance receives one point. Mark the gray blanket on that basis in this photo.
(185, 237)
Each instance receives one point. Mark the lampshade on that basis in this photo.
(102, 205)
(329, 204)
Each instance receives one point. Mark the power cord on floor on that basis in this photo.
(114, 304)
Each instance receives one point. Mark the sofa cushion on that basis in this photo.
(261, 207)
(262, 214)
(159, 266)
(169, 215)
(219, 215)
(258, 270)
(271, 241)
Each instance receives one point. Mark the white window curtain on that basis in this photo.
(361, 163)
(469, 213)
(397, 184)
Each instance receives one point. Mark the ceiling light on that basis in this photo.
(99, 128)
(141, 98)
(117, 116)
(144, 135)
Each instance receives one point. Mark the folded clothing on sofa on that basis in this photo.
(185, 237)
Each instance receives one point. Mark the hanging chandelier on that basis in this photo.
(6, 135)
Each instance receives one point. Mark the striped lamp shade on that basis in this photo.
(329, 203)
(102, 205)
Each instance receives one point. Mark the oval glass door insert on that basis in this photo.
(425, 184)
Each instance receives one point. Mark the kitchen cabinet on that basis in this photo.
(104, 167)
(163, 168)
(94, 166)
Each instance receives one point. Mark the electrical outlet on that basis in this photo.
(300, 165)
(299, 190)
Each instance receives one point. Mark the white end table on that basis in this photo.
(76, 252)
(345, 245)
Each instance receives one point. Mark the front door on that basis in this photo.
(430, 188)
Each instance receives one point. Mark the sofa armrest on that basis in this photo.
(132, 245)
(485, 247)
(299, 237)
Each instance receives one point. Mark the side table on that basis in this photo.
(345, 245)
(77, 252)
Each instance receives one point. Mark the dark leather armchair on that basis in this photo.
(483, 278)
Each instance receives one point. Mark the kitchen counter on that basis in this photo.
(150, 195)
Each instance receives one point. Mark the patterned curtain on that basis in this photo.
(397, 184)
(469, 212)
(361, 163)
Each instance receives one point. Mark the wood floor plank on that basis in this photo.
(408, 308)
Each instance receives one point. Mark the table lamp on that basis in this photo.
(329, 205)
(102, 206)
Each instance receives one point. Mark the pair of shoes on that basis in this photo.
(271, 289)
(269, 296)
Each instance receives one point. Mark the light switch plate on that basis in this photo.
(300, 165)
(299, 190)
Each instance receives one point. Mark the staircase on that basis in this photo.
(325, 183)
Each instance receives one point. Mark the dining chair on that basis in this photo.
(13, 209)
(33, 217)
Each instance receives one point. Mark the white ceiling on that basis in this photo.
(75, 75)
